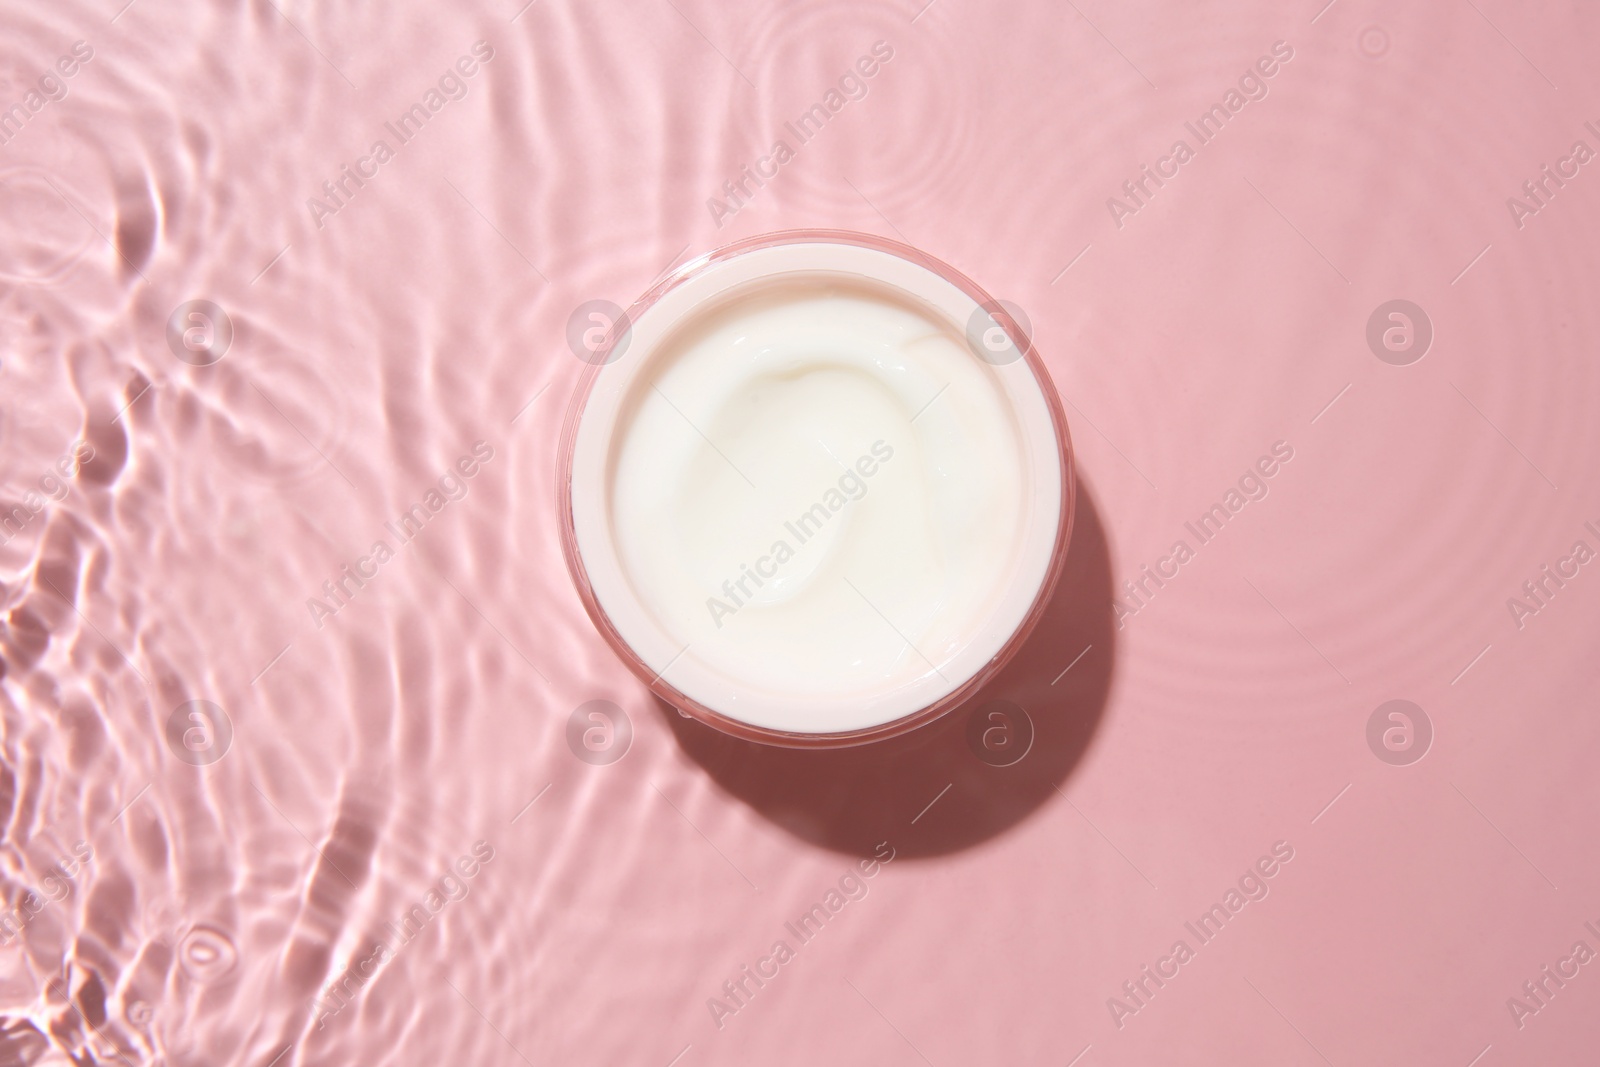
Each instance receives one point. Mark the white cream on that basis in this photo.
(802, 498)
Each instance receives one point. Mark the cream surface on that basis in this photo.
(820, 492)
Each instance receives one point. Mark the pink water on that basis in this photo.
(185, 889)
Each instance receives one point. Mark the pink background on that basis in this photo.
(430, 312)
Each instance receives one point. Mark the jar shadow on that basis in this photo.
(943, 788)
